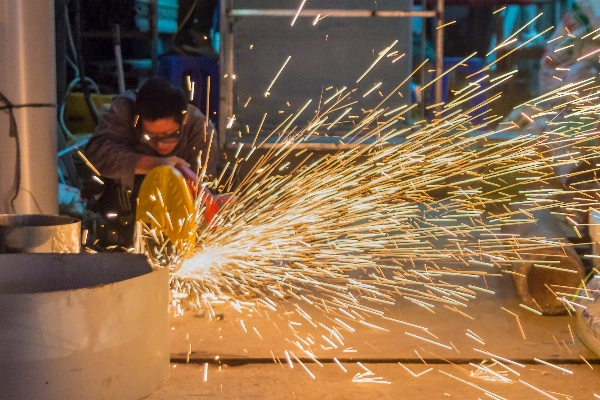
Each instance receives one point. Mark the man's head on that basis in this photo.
(160, 109)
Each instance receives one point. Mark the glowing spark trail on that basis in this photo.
(277, 76)
(297, 14)
(396, 216)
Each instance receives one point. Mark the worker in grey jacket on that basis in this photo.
(155, 127)
(140, 131)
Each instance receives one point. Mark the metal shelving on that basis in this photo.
(229, 14)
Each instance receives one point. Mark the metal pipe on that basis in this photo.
(38, 233)
(153, 21)
(28, 80)
(422, 58)
(439, 50)
(76, 146)
(60, 24)
(226, 71)
(330, 13)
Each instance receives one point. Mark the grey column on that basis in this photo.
(28, 76)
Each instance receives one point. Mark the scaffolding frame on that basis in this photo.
(226, 58)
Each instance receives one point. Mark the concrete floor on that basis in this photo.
(241, 362)
(273, 382)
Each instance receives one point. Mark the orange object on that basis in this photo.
(214, 202)
(191, 179)
(166, 202)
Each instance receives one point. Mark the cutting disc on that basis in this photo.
(165, 204)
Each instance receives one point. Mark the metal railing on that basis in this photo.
(229, 13)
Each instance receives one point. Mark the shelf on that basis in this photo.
(103, 34)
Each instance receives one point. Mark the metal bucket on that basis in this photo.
(39, 233)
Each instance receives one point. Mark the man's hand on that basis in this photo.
(172, 161)
(146, 163)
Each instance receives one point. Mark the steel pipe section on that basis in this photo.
(82, 326)
(28, 158)
(36, 233)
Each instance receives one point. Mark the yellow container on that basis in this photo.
(77, 116)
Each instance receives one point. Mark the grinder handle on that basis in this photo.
(191, 179)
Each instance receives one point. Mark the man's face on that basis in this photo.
(162, 135)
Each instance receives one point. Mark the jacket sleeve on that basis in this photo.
(110, 149)
(198, 143)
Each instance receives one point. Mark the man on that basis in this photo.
(570, 56)
(569, 53)
(153, 127)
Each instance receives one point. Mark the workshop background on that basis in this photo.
(233, 63)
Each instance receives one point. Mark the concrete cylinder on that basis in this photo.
(28, 64)
(533, 282)
(35, 233)
(82, 326)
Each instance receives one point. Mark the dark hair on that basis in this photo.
(158, 98)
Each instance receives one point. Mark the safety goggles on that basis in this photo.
(169, 138)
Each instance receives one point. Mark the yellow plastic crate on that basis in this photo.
(77, 116)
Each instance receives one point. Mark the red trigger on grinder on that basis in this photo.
(191, 179)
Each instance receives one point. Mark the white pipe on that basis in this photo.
(28, 75)
(226, 70)
(439, 50)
